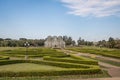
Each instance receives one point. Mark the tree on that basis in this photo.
(79, 41)
(73, 43)
(24, 39)
(1, 39)
(8, 39)
(111, 42)
(68, 40)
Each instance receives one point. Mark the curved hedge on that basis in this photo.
(71, 60)
(51, 73)
(4, 57)
(67, 71)
(80, 57)
(58, 64)
(61, 64)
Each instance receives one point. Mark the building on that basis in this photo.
(54, 42)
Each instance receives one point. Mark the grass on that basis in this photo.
(27, 67)
(115, 53)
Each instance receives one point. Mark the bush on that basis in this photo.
(60, 64)
(70, 68)
(5, 62)
(80, 57)
(33, 52)
(50, 73)
(71, 60)
(4, 57)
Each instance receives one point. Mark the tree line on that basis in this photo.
(110, 43)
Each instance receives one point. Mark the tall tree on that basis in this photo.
(111, 42)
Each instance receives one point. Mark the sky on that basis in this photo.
(91, 20)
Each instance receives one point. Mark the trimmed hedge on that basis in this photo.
(110, 55)
(70, 71)
(59, 64)
(33, 52)
(4, 57)
(81, 57)
(51, 73)
(71, 60)
(6, 62)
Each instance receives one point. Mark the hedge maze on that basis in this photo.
(71, 64)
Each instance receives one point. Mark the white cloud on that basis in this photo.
(98, 8)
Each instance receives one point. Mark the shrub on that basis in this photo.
(71, 60)
(60, 64)
(50, 73)
(71, 69)
(5, 62)
(4, 57)
(80, 57)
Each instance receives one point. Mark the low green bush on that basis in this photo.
(80, 57)
(33, 52)
(51, 73)
(60, 64)
(71, 60)
(4, 57)
(5, 62)
(99, 51)
(71, 69)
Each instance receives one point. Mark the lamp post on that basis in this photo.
(26, 44)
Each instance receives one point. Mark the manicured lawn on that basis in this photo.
(99, 51)
(27, 67)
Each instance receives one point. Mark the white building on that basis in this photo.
(54, 42)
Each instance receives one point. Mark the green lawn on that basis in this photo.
(115, 53)
(28, 67)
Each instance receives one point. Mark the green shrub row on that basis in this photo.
(49, 55)
(80, 57)
(51, 73)
(37, 52)
(61, 64)
(5, 62)
(110, 55)
(71, 60)
(4, 57)
(70, 71)
(104, 52)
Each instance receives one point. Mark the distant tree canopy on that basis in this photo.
(20, 42)
(81, 41)
(68, 40)
(110, 43)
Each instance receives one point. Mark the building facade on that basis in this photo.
(54, 42)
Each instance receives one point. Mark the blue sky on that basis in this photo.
(90, 19)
